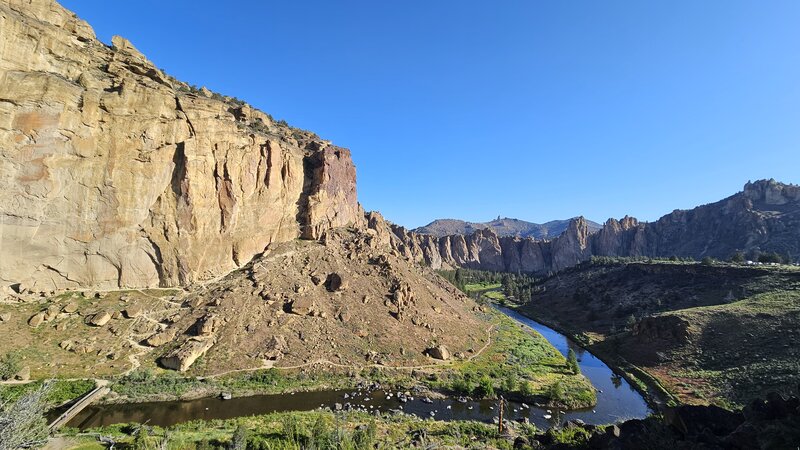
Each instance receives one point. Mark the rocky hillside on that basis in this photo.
(113, 174)
(764, 217)
(501, 227)
(344, 302)
(719, 333)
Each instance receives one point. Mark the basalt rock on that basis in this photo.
(115, 175)
(335, 282)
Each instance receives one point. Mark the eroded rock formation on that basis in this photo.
(764, 217)
(113, 174)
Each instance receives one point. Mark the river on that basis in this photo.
(616, 400)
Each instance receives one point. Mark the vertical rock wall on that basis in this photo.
(113, 174)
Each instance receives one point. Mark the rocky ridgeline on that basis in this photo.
(115, 175)
(765, 217)
(502, 227)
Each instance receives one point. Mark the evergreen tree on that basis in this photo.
(572, 362)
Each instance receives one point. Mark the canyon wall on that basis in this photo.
(115, 175)
(764, 217)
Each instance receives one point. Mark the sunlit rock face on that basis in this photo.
(113, 174)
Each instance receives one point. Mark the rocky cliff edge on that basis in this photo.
(115, 175)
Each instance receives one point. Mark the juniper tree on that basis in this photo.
(572, 362)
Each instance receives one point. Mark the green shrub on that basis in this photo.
(485, 387)
(9, 365)
(572, 362)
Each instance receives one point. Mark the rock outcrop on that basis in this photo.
(113, 174)
(765, 217)
(439, 352)
(184, 356)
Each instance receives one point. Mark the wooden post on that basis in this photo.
(500, 423)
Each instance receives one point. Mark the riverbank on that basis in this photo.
(514, 361)
(648, 387)
(695, 334)
(656, 397)
(323, 429)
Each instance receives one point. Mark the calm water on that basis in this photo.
(616, 400)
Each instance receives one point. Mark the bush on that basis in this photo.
(772, 258)
(462, 386)
(526, 389)
(239, 439)
(22, 422)
(509, 383)
(485, 387)
(556, 392)
(9, 365)
(364, 437)
(292, 429)
(571, 436)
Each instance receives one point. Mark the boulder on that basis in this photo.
(24, 374)
(693, 419)
(51, 312)
(100, 319)
(5, 317)
(439, 352)
(208, 325)
(159, 339)
(36, 319)
(335, 282)
(70, 308)
(82, 348)
(275, 348)
(303, 306)
(184, 356)
(134, 311)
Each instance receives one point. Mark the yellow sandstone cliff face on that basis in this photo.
(113, 174)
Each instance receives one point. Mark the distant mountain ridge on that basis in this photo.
(501, 227)
(763, 218)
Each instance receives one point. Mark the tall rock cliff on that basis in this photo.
(113, 174)
(764, 217)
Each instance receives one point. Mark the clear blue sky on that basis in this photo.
(531, 109)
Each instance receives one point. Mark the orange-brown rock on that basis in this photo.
(116, 175)
(184, 356)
